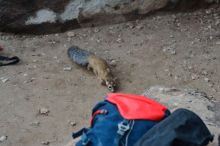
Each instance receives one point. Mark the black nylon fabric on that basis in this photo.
(219, 140)
(4, 61)
(181, 128)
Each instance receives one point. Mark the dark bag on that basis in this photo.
(121, 120)
(181, 128)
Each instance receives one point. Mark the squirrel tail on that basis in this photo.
(78, 55)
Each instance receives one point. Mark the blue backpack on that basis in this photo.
(121, 120)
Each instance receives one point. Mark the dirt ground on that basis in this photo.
(170, 49)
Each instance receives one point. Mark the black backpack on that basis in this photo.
(181, 128)
(120, 120)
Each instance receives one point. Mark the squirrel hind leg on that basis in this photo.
(95, 72)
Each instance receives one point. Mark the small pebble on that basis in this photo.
(45, 142)
(208, 11)
(217, 43)
(113, 63)
(43, 54)
(170, 74)
(4, 79)
(206, 79)
(44, 111)
(67, 68)
(210, 97)
(190, 67)
(178, 24)
(3, 138)
(139, 27)
(176, 77)
(131, 26)
(111, 27)
(217, 22)
(71, 34)
(175, 104)
(194, 77)
(173, 52)
(166, 70)
(211, 85)
(98, 41)
(96, 30)
(68, 39)
(35, 123)
(205, 73)
(119, 40)
(72, 123)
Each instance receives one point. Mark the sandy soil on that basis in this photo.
(180, 50)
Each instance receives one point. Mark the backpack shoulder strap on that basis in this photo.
(123, 128)
(79, 133)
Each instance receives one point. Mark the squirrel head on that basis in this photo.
(111, 84)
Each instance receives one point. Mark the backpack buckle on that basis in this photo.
(85, 139)
(123, 127)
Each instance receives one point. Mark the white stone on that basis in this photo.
(72, 123)
(4, 79)
(218, 43)
(71, 34)
(67, 68)
(42, 16)
(113, 63)
(3, 138)
(71, 10)
(45, 142)
(44, 111)
(206, 79)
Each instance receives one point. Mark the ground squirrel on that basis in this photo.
(92, 62)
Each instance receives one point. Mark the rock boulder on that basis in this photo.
(40, 16)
